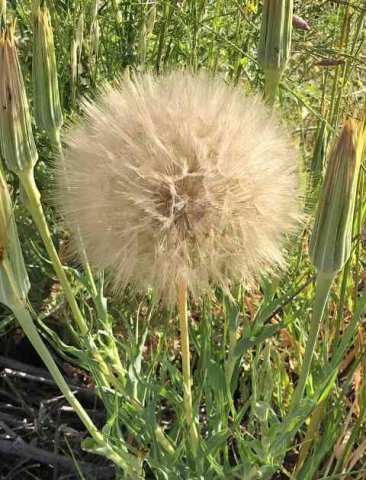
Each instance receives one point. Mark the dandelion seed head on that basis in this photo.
(179, 178)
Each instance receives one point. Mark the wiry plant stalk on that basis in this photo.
(323, 284)
(34, 205)
(32, 334)
(96, 293)
(106, 377)
(186, 366)
(121, 458)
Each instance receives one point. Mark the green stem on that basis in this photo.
(26, 322)
(323, 284)
(35, 207)
(272, 82)
(342, 299)
(55, 138)
(231, 358)
(186, 366)
(232, 315)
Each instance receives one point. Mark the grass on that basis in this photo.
(245, 357)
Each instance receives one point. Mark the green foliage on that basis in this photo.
(246, 355)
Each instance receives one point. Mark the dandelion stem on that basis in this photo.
(187, 380)
(323, 284)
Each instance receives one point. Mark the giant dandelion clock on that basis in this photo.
(178, 179)
(178, 183)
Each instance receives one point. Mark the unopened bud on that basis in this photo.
(275, 42)
(16, 136)
(47, 108)
(300, 23)
(330, 243)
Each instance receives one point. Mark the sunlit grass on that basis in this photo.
(246, 356)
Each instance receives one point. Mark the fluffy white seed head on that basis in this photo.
(178, 178)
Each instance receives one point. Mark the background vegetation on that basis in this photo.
(242, 427)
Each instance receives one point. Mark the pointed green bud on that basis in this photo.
(275, 42)
(14, 283)
(47, 108)
(16, 136)
(330, 243)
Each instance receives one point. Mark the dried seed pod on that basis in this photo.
(16, 136)
(14, 283)
(300, 23)
(329, 62)
(330, 243)
(47, 108)
(275, 42)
